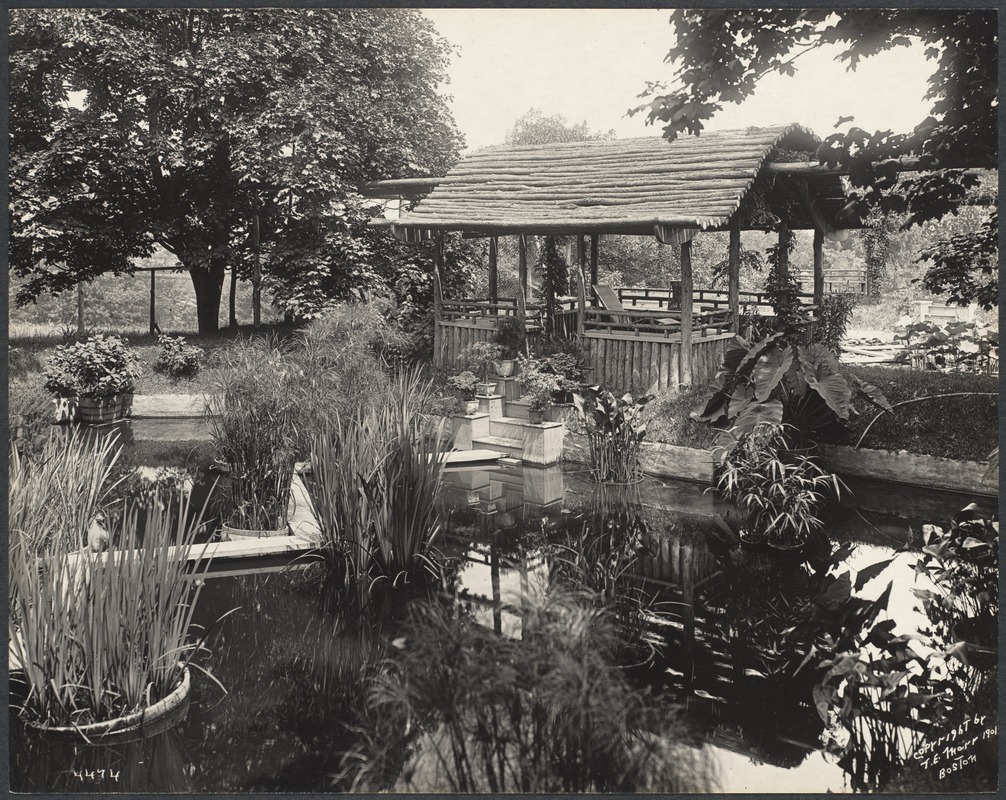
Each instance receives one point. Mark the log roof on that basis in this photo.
(622, 186)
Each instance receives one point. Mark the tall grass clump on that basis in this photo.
(375, 485)
(459, 709)
(100, 636)
(255, 419)
(57, 491)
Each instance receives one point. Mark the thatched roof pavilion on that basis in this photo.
(756, 178)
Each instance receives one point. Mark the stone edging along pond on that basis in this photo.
(931, 472)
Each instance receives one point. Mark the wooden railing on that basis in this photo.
(664, 324)
(703, 299)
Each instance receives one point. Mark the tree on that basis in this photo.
(535, 128)
(195, 124)
(721, 56)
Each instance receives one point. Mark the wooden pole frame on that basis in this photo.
(594, 237)
(582, 290)
(522, 291)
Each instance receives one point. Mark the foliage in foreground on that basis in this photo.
(100, 636)
(461, 709)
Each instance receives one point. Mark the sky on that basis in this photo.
(590, 65)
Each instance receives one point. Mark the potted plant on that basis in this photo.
(482, 359)
(465, 383)
(615, 431)
(98, 375)
(256, 415)
(778, 491)
(539, 397)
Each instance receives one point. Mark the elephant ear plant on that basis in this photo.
(615, 430)
(773, 381)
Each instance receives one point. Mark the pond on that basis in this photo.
(700, 627)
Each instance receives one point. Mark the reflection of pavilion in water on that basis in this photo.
(498, 519)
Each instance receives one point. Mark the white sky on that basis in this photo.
(590, 65)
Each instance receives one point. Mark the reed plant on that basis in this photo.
(376, 482)
(100, 636)
(56, 491)
(460, 709)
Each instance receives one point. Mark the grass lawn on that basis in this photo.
(30, 350)
(668, 420)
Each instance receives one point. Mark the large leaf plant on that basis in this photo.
(774, 381)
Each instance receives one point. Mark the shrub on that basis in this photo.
(178, 358)
(615, 429)
(833, 320)
(481, 358)
(667, 419)
(100, 636)
(102, 366)
(30, 414)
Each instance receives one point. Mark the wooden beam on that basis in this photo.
(734, 273)
(493, 273)
(80, 306)
(593, 258)
(818, 267)
(685, 360)
(438, 301)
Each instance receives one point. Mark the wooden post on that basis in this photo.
(818, 267)
(522, 292)
(734, 273)
(153, 302)
(256, 275)
(80, 307)
(522, 264)
(581, 282)
(685, 360)
(438, 300)
(593, 262)
(493, 274)
(580, 258)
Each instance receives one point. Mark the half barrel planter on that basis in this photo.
(102, 410)
(142, 724)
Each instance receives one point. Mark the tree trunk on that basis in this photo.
(209, 284)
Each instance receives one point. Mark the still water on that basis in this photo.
(295, 678)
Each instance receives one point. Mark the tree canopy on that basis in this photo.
(722, 54)
(189, 125)
(533, 127)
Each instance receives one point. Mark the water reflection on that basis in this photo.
(695, 625)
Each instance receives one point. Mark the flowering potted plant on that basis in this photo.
(99, 374)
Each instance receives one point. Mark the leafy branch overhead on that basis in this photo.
(188, 125)
(721, 55)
